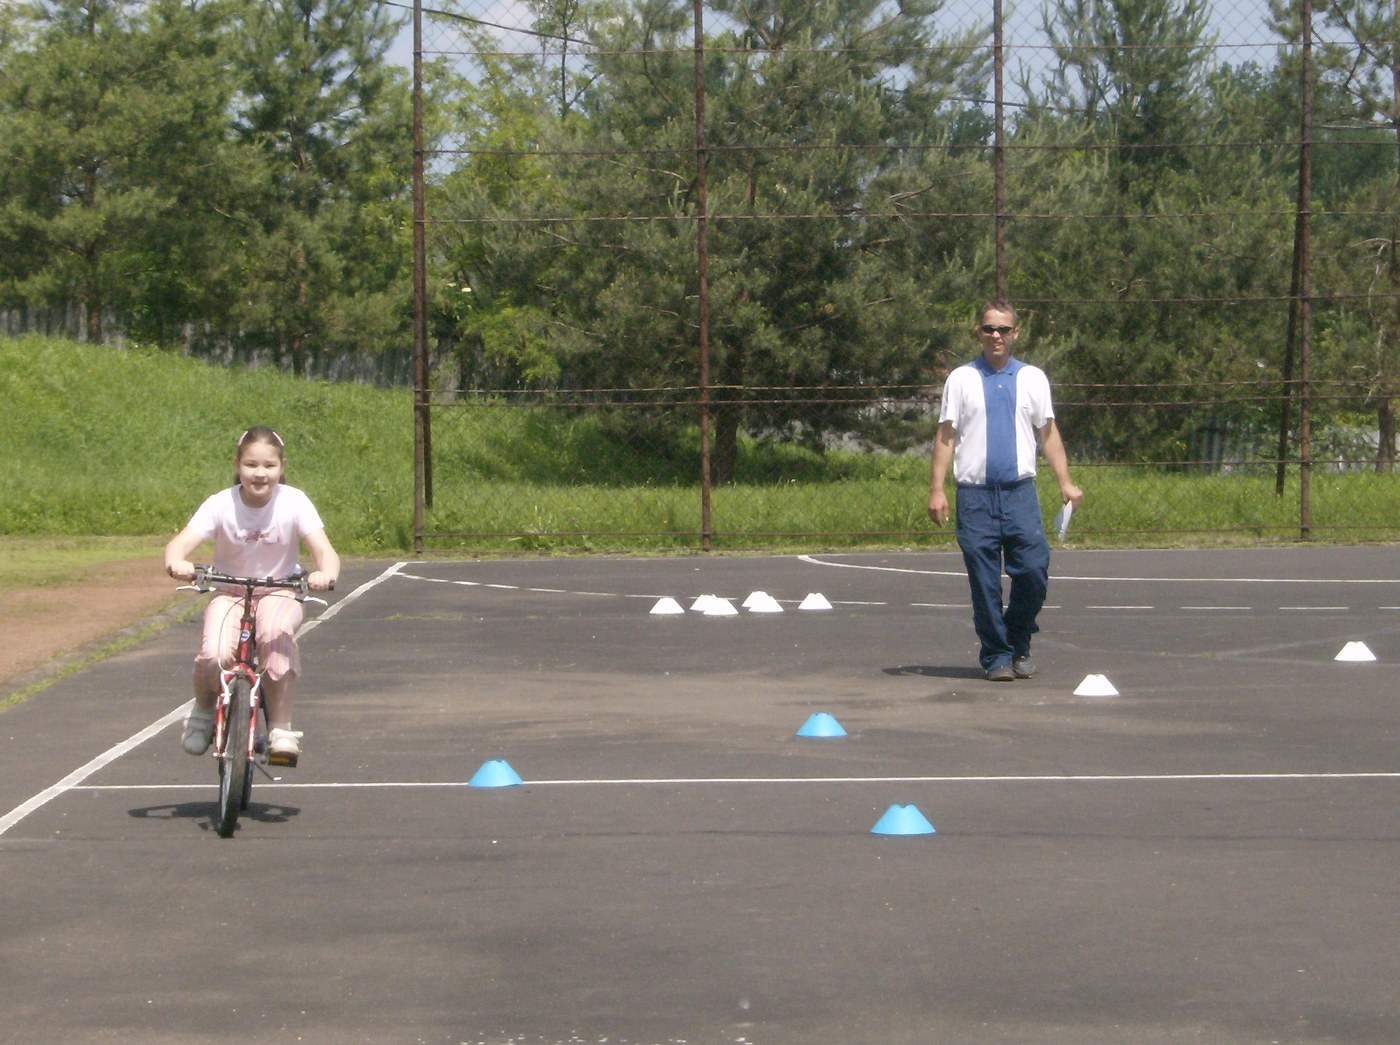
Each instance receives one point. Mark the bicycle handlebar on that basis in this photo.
(205, 576)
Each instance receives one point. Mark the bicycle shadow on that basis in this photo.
(206, 814)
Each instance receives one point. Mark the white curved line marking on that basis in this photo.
(814, 561)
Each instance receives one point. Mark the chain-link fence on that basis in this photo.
(692, 274)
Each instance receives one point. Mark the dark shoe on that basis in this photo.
(1023, 667)
(1001, 673)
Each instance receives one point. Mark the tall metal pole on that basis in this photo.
(1305, 285)
(422, 431)
(702, 269)
(998, 147)
(1290, 351)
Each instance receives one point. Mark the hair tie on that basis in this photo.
(270, 432)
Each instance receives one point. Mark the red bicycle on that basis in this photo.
(239, 744)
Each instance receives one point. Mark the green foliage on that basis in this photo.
(233, 175)
(234, 164)
(101, 173)
(326, 255)
(801, 118)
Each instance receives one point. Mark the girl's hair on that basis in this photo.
(259, 434)
(262, 434)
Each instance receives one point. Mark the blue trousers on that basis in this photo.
(1000, 527)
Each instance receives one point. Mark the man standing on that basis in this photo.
(994, 411)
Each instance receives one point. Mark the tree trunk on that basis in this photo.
(300, 361)
(1385, 421)
(724, 453)
(92, 306)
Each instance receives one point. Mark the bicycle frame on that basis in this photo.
(245, 665)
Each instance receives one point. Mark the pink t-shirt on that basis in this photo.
(256, 542)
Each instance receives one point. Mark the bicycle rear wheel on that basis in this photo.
(234, 764)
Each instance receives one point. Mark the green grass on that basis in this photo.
(127, 443)
(106, 443)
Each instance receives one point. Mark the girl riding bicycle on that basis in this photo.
(257, 526)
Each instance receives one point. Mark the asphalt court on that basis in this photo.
(1208, 856)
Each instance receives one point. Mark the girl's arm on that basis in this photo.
(327, 570)
(178, 552)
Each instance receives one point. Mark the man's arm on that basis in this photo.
(942, 458)
(1054, 449)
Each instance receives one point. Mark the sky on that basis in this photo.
(1241, 28)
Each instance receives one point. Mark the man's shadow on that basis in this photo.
(936, 671)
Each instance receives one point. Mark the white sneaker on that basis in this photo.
(199, 731)
(283, 747)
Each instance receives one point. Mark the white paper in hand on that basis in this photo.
(1062, 520)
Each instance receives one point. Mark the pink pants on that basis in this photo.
(276, 618)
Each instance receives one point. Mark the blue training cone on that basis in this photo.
(496, 773)
(821, 725)
(903, 820)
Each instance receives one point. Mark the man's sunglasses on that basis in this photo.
(989, 329)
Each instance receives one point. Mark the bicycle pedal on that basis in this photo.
(287, 759)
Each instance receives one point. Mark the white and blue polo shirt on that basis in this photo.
(995, 416)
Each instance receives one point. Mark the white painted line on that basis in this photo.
(434, 580)
(1110, 607)
(815, 561)
(340, 604)
(1207, 609)
(1082, 778)
(1314, 609)
(1011, 779)
(74, 779)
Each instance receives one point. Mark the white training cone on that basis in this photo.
(815, 601)
(762, 602)
(1096, 686)
(667, 607)
(720, 608)
(701, 604)
(1356, 651)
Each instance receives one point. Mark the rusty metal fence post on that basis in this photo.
(702, 273)
(422, 444)
(1304, 270)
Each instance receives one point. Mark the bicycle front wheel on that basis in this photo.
(234, 767)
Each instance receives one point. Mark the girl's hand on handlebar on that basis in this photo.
(181, 570)
(318, 581)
